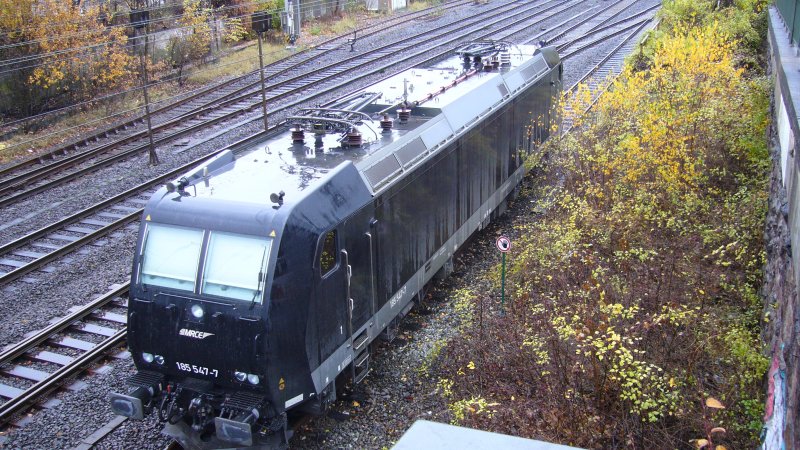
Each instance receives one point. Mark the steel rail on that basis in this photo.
(601, 38)
(43, 335)
(597, 67)
(103, 162)
(604, 28)
(581, 23)
(605, 88)
(110, 160)
(34, 393)
(68, 248)
(608, 56)
(378, 27)
(31, 395)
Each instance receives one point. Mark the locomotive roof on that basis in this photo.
(443, 99)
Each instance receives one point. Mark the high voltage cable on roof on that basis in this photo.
(305, 7)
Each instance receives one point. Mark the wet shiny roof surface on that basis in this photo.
(279, 164)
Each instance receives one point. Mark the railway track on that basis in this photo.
(33, 368)
(125, 130)
(229, 102)
(600, 76)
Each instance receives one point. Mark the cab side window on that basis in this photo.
(327, 257)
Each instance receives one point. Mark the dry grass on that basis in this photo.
(63, 129)
(236, 64)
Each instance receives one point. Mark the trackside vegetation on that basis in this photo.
(633, 313)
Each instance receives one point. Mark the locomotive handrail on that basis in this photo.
(336, 110)
(321, 119)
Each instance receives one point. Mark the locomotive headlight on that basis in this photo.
(197, 311)
(241, 376)
(159, 360)
(253, 379)
(147, 357)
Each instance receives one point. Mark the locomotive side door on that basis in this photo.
(332, 316)
(357, 258)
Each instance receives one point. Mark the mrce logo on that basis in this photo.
(194, 333)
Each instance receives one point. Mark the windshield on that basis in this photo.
(170, 256)
(236, 266)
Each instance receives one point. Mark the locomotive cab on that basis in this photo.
(222, 343)
(199, 329)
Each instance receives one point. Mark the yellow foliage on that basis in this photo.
(72, 47)
(73, 43)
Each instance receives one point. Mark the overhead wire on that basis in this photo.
(148, 10)
(83, 33)
(167, 79)
(305, 7)
(131, 44)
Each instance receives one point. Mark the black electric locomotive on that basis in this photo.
(260, 281)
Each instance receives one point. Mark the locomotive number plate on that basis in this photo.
(200, 370)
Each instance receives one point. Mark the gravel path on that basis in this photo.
(373, 416)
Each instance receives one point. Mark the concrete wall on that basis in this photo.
(782, 304)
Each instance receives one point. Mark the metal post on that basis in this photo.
(263, 87)
(143, 66)
(503, 285)
(298, 19)
(504, 245)
(289, 13)
(791, 30)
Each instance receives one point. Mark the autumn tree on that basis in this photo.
(193, 39)
(54, 52)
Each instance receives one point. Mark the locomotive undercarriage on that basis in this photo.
(199, 415)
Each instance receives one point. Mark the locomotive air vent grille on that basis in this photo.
(145, 379)
(503, 89)
(534, 69)
(411, 151)
(244, 400)
(382, 170)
